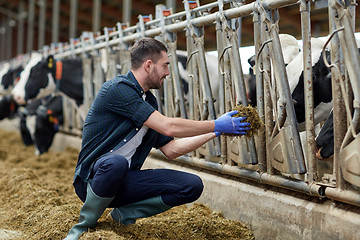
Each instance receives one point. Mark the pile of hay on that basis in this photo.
(252, 117)
(38, 201)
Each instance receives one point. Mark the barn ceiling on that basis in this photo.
(111, 13)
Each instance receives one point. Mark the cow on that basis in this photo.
(43, 76)
(325, 139)
(8, 107)
(212, 66)
(295, 73)
(290, 49)
(27, 121)
(182, 60)
(8, 78)
(4, 69)
(321, 84)
(49, 116)
(39, 121)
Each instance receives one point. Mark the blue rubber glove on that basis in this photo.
(218, 134)
(228, 124)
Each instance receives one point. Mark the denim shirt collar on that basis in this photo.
(149, 96)
(132, 78)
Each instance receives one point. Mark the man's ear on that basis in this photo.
(50, 62)
(148, 65)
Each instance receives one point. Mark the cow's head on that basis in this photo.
(3, 71)
(321, 75)
(36, 81)
(10, 78)
(325, 138)
(290, 50)
(8, 107)
(289, 46)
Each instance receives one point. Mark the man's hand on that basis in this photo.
(228, 124)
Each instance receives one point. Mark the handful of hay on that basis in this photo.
(252, 117)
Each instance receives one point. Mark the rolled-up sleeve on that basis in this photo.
(162, 141)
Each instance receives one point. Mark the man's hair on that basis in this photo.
(144, 49)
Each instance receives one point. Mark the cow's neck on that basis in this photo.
(69, 78)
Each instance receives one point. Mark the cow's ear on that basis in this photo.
(50, 62)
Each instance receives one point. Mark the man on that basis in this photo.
(121, 127)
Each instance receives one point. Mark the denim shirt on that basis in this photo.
(116, 115)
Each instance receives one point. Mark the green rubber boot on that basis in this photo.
(91, 211)
(146, 208)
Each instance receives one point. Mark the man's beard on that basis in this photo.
(154, 80)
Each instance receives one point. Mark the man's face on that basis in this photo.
(159, 71)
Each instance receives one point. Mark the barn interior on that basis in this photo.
(283, 195)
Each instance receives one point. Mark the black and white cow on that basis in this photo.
(39, 121)
(27, 115)
(325, 139)
(290, 49)
(8, 107)
(49, 116)
(4, 69)
(321, 84)
(182, 58)
(212, 67)
(8, 78)
(42, 77)
(295, 73)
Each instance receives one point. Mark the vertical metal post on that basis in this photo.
(268, 108)
(261, 148)
(55, 21)
(352, 11)
(220, 48)
(171, 4)
(42, 19)
(96, 15)
(239, 30)
(30, 26)
(73, 18)
(9, 37)
(2, 39)
(126, 12)
(308, 92)
(339, 109)
(20, 30)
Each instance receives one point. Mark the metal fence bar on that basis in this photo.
(308, 93)
(242, 11)
(265, 178)
(339, 109)
(261, 146)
